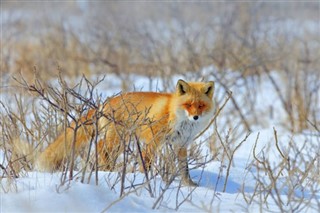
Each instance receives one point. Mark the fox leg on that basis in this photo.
(107, 156)
(103, 156)
(183, 167)
(147, 148)
(108, 150)
(147, 159)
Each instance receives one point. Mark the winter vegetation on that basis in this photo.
(260, 153)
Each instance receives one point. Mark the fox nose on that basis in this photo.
(195, 117)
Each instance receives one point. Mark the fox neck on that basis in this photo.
(184, 130)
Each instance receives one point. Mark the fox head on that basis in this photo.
(194, 99)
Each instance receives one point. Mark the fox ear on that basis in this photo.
(209, 89)
(182, 87)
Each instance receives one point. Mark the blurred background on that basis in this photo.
(162, 39)
(156, 38)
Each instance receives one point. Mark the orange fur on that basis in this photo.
(154, 118)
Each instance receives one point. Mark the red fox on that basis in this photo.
(174, 117)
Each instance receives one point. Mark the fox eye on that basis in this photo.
(201, 106)
(188, 105)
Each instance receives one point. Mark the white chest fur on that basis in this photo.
(186, 130)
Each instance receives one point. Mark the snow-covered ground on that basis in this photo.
(43, 192)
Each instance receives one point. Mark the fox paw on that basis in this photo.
(189, 182)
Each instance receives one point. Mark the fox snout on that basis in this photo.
(193, 117)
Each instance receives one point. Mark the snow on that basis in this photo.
(41, 193)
